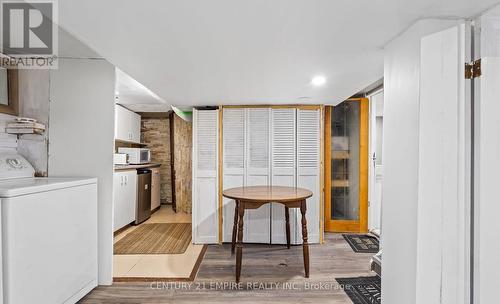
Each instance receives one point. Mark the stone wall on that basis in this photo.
(156, 133)
(182, 162)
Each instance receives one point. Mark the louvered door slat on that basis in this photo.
(258, 139)
(233, 138)
(257, 229)
(283, 133)
(308, 166)
(207, 141)
(308, 139)
(283, 169)
(205, 182)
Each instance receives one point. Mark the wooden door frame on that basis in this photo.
(172, 160)
(360, 225)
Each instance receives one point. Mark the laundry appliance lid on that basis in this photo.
(26, 186)
(17, 177)
(13, 165)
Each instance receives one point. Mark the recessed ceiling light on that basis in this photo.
(318, 81)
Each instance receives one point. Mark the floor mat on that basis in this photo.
(362, 290)
(362, 243)
(171, 238)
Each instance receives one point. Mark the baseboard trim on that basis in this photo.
(82, 292)
(117, 232)
(155, 209)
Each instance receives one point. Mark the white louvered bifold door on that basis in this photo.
(233, 137)
(205, 180)
(258, 221)
(283, 169)
(308, 169)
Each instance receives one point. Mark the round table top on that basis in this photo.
(267, 193)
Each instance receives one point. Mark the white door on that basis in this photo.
(258, 221)
(283, 169)
(443, 199)
(376, 161)
(487, 161)
(233, 137)
(308, 167)
(205, 219)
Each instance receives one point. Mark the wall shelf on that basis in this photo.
(340, 183)
(340, 154)
(121, 141)
(25, 131)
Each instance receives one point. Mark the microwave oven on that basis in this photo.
(137, 156)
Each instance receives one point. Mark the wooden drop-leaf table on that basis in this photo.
(255, 196)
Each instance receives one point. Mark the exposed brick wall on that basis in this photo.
(156, 133)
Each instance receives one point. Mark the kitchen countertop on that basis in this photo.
(135, 167)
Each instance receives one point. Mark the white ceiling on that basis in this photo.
(135, 96)
(255, 51)
(129, 92)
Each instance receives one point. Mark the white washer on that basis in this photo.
(49, 235)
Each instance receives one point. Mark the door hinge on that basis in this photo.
(473, 69)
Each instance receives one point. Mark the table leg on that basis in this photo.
(305, 245)
(287, 227)
(235, 226)
(239, 245)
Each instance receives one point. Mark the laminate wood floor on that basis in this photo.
(270, 274)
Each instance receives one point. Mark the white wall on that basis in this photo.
(400, 150)
(82, 137)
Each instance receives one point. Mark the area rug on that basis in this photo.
(362, 243)
(155, 239)
(362, 290)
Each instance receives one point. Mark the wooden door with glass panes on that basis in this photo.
(346, 166)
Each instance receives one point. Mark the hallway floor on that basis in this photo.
(178, 266)
(269, 273)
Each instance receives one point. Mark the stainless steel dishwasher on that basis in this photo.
(143, 209)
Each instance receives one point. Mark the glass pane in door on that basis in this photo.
(345, 132)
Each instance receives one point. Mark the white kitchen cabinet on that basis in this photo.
(135, 127)
(121, 123)
(125, 196)
(127, 125)
(155, 188)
